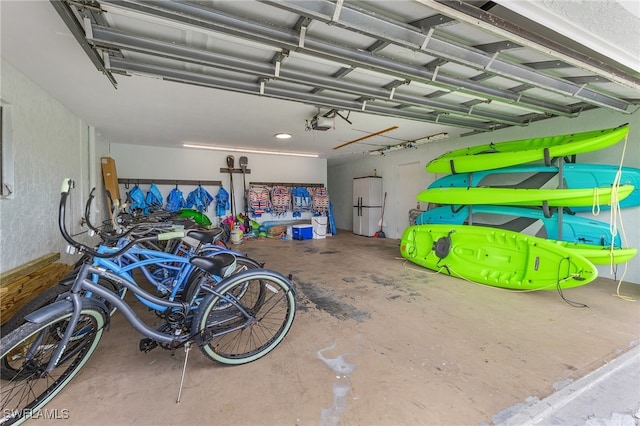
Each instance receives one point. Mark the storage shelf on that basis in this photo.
(289, 184)
(132, 181)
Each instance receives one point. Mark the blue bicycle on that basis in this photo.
(233, 318)
(163, 272)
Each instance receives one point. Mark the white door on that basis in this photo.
(412, 179)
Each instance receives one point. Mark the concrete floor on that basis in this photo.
(376, 341)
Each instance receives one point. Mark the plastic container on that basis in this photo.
(319, 224)
(236, 235)
(302, 232)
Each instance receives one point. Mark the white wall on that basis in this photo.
(50, 144)
(145, 162)
(340, 175)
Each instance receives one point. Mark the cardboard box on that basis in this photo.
(302, 232)
(110, 177)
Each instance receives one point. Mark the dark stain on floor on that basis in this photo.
(378, 279)
(327, 302)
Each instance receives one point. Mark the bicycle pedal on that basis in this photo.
(146, 345)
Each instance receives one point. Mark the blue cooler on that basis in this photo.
(302, 232)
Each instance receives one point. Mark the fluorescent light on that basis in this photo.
(250, 151)
(283, 135)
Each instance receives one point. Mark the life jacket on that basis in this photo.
(280, 200)
(199, 198)
(136, 196)
(301, 200)
(259, 201)
(222, 202)
(154, 197)
(320, 201)
(175, 200)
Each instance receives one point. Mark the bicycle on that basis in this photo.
(48, 350)
(208, 244)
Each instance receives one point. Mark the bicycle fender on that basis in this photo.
(62, 307)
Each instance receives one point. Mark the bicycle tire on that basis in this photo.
(49, 296)
(227, 335)
(28, 390)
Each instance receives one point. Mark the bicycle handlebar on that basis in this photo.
(67, 184)
(104, 235)
(170, 235)
(87, 216)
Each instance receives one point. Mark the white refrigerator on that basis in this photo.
(367, 205)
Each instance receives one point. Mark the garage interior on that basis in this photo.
(169, 89)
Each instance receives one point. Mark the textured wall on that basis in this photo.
(624, 35)
(49, 144)
(609, 27)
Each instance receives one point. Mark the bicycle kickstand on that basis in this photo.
(187, 348)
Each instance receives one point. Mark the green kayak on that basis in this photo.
(496, 257)
(599, 255)
(511, 153)
(199, 217)
(525, 196)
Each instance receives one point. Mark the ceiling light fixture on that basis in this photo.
(250, 151)
(283, 135)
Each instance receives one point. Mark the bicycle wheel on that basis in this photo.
(28, 350)
(47, 297)
(248, 318)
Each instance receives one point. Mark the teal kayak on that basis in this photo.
(528, 220)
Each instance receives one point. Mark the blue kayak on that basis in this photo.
(531, 221)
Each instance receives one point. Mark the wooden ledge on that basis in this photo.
(28, 268)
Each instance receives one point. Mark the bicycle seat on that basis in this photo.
(221, 264)
(206, 237)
